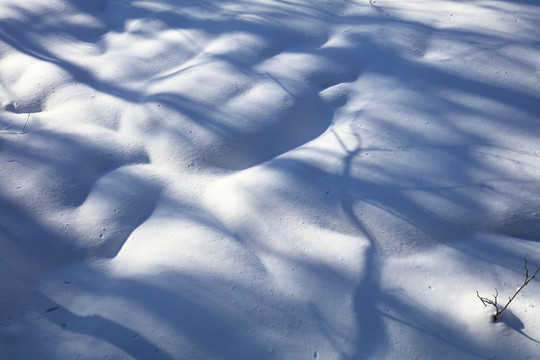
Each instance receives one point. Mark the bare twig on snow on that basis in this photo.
(499, 310)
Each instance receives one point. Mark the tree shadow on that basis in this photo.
(311, 117)
(113, 333)
(375, 306)
(386, 190)
(191, 314)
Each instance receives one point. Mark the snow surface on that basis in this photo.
(270, 179)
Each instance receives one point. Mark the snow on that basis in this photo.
(268, 179)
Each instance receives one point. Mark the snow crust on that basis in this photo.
(268, 179)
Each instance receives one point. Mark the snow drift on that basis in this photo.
(268, 179)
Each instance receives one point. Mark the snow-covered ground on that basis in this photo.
(268, 179)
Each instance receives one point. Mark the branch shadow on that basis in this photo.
(513, 322)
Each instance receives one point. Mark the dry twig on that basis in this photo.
(487, 301)
(26, 123)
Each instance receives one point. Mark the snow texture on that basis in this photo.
(301, 179)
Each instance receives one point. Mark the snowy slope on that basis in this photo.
(322, 179)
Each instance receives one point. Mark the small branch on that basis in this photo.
(487, 301)
(26, 123)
